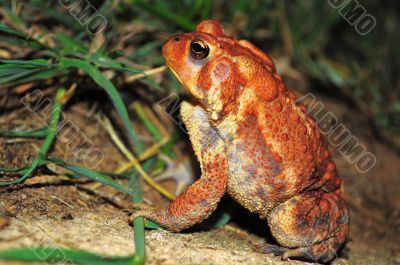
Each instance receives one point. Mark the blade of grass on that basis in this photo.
(13, 13)
(100, 59)
(132, 176)
(138, 225)
(133, 161)
(146, 122)
(164, 13)
(71, 45)
(40, 75)
(206, 9)
(151, 83)
(20, 170)
(18, 71)
(54, 13)
(77, 172)
(106, 84)
(94, 175)
(34, 62)
(41, 133)
(17, 76)
(48, 254)
(52, 131)
(5, 28)
(10, 70)
(143, 51)
(195, 8)
(27, 40)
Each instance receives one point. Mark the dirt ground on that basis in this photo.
(53, 211)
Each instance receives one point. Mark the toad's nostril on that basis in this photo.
(176, 38)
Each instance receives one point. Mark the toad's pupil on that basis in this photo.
(199, 49)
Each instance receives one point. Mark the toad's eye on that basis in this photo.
(199, 49)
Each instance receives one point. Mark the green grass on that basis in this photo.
(47, 254)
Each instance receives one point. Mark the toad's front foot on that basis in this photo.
(139, 213)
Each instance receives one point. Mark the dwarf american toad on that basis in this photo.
(256, 143)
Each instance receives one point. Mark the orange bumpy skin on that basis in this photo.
(255, 143)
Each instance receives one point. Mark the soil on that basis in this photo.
(77, 213)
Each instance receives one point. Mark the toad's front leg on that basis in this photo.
(202, 197)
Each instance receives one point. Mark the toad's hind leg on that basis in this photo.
(312, 225)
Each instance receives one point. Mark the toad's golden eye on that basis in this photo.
(199, 49)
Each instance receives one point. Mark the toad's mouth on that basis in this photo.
(194, 92)
(176, 75)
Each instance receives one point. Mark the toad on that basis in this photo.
(254, 142)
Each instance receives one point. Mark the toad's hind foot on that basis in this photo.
(284, 253)
(311, 226)
(271, 249)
